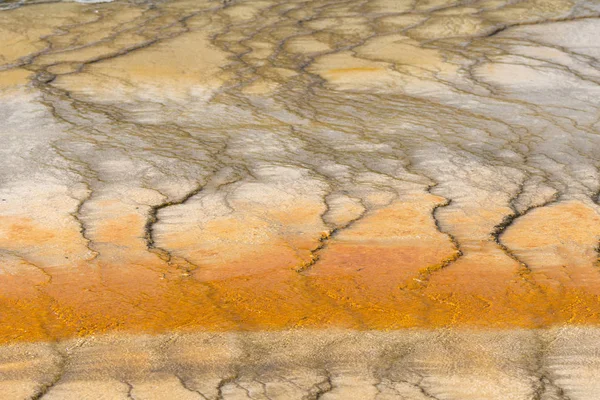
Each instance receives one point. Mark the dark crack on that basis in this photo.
(596, 200)
(510, 219)
(129, 393)
(82, 226)
(544, 384)
(153, 220)
(424, 391)
(320, 388)
(325, 238)
(54, 380)
(183, 383)
(501, 28)
(222, 383)
(425, 274)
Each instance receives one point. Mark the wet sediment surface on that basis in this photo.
(252, 166)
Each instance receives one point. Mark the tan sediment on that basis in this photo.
(13, 77)
(299, 364)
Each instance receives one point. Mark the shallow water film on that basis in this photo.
(300, 199)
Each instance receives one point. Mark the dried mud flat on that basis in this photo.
(555, 364)
(299, 199)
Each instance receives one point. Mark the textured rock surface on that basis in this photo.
(554, 364)
(186, 166)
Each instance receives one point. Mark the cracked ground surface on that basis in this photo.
(176, 167)
(550, 364)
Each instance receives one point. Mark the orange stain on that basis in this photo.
(386, 271)
(22, 231)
